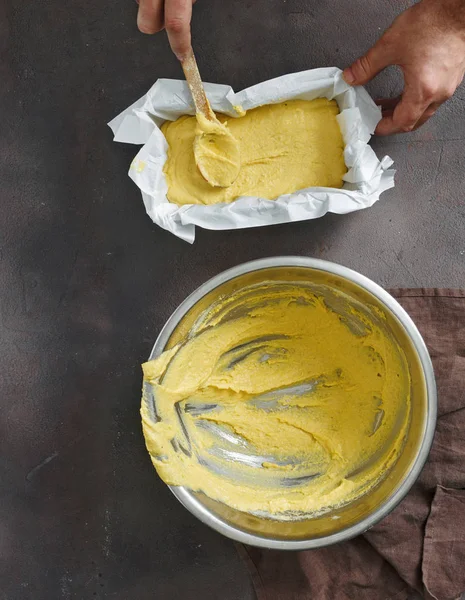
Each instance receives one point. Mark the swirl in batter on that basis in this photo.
(285, 399)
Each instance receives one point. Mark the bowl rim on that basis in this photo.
(186, 497)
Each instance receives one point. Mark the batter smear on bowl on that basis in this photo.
(286, 399)
(284, 148)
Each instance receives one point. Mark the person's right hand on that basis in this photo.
(427, 42)
(172, 15)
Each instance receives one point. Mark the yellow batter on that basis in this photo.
(283, 148)
(285, 399)
(217, 152)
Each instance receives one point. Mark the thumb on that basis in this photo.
(368, 66)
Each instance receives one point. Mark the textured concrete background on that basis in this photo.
(87, 280)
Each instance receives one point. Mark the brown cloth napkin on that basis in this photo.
(420, 546)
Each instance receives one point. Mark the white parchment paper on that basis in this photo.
(168, 99)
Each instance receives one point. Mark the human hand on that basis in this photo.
(427, 42)
(172, 15)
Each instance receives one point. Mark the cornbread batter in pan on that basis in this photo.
(283, 148)
(284, 399)
(217, 152)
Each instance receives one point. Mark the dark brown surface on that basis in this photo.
(87, 280)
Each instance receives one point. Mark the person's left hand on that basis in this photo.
(427, 42)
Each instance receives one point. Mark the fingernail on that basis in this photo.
(348, 76)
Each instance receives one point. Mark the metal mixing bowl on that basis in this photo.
(352, 519)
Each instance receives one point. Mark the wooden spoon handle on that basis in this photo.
(191, 72)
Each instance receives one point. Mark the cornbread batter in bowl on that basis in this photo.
(286, 403)
(284, 148)
(286, 399)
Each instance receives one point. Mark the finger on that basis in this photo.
(388, 103)
(178, 15)
(150, 16)
(405, 115)
(368, 66)
(387, 106)
(386, 113)
(429, 112)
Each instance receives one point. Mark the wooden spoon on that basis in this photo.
(216, 150)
